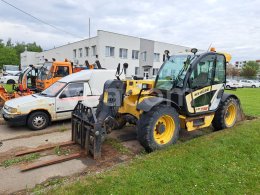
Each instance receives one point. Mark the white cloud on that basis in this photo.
(233, 26)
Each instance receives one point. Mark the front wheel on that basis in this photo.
(253, 86)
(158, 128)
(38, 120)
(226, 115)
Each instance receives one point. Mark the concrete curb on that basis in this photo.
(2, 121)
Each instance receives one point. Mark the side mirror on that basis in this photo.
(118, 69)
(63, 95)
(125, 65)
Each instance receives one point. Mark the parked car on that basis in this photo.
(249, 83)
(233, 84)
(10, 70)
(10, 78)
(58, 101)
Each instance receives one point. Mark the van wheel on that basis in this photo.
(38, 120)
(253, 86)
(10, 81)
(158, 128)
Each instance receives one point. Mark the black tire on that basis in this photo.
(228, 87)
(121, 122)
(146, 127)
(11, 81)
(253, 86)
(219, 121)
(38, 120)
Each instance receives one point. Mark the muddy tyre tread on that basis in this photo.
(145, 126)
(218, 122)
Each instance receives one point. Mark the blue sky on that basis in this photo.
(231, 26)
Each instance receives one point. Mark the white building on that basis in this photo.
(143, 56)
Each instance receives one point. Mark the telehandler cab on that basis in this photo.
(188, 93)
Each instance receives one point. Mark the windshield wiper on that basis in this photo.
(44, 94)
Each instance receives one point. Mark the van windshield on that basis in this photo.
(53, 90)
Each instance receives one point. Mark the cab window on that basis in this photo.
(220, 70)
(73, 90)
(202, 75)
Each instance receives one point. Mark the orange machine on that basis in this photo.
(26, 85)
(51, 72)
(55, 70)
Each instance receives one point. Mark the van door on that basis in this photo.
(68, 99)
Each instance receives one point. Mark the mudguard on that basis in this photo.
(148, 103)
(227, 95)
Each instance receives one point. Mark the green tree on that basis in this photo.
(8, 56)
(250, 69)
(10, 53)
(9, 43)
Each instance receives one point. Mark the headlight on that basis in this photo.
(10, 109)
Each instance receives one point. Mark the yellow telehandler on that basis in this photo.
(187, 93)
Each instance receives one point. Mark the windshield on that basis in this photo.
(53, 90)
(10, 68)
(45, 71)
(173, 72)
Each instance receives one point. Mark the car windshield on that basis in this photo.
(45, 71)
(173, 72)
(53, 90)
(11, 68)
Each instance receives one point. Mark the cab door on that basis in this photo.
(206, 84)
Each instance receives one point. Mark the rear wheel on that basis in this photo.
(11, 81)
(38, 120)
(158, 128)
(226, 115)
(228, 87)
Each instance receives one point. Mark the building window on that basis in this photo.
(156, 57)
(110, 51)
(144, 56)
(93, 48)
(155, 71)
(80, 52)
(135, 54)
(123, 53)
(137, 70)
(86, 51)
(74, 53)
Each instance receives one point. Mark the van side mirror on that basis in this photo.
(63, 95)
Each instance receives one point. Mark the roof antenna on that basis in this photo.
(209, 46)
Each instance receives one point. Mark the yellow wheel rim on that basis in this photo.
(230, 115)
(164, 129)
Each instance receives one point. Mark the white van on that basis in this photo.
(58, 101)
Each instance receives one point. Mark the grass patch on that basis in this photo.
(60, 151)
(8, 87)
(117, 145)
(250, 98)
(63, 128)
(225, 162)
(27, 158)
